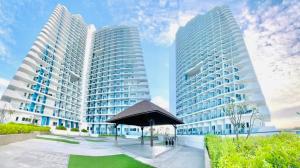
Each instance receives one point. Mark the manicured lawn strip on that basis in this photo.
(58, 140)
(113, 161)
(109, 135)
(282, 150)
(65, 136)
(148, 138)
(106, 135)
(95, 140)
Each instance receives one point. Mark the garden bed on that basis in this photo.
(16, 128)
(281, 150)
(68, 132)
(13, 132)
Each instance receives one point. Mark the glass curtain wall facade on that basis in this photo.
(46, 89)
(212, 68)
(117, 78)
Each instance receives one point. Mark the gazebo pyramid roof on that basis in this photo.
(141, 113)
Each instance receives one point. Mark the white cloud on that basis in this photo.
(3, 51)
(272, 34)
(6, 19)
(3, 84)
(287, 118)
(160, 101)
(159, 21)
(9, 15)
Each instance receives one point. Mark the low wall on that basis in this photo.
(195, 141)
(11, 138)
(68, 133)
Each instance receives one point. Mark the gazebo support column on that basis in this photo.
(142, 138)
(151, 135)
(151, 132)
(175, 133)
(116, 134)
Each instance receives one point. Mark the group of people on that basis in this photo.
(170, 141)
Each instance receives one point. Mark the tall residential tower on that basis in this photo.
(74, 74)
(212, 68)
(117, 77)
(46, 89)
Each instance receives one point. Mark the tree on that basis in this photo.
(5, 110)
(236, 111)
(255, 115)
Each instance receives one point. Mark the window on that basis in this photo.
(21, 105)
(17, 118)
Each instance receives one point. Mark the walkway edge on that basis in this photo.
(206, 158)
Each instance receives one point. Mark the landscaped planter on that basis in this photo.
(11, 138)
(68, 132)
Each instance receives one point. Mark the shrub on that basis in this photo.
(16, 128)
(61, 128)
(84, 130)
(282, 150)
(75, 129)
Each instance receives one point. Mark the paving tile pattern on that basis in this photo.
(37, 153)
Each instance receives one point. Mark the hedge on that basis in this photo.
(61, 128)
(84, 130)
(281, 150)
(75, 129)
(16, 128)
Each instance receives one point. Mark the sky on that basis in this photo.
(271, 30)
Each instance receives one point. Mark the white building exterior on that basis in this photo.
(212, 68)
(75, 76)
(46, 89)
(117, 78)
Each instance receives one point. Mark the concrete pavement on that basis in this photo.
(37, 153)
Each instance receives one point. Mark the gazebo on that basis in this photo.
(142, 114)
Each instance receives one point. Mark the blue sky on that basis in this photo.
(270, 27)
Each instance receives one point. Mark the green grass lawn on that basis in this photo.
(95, 140)
(58, 140)
(113, 161)
(110, 135)
(281, 151)
(65, 136)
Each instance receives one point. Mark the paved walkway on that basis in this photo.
(37, 153)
